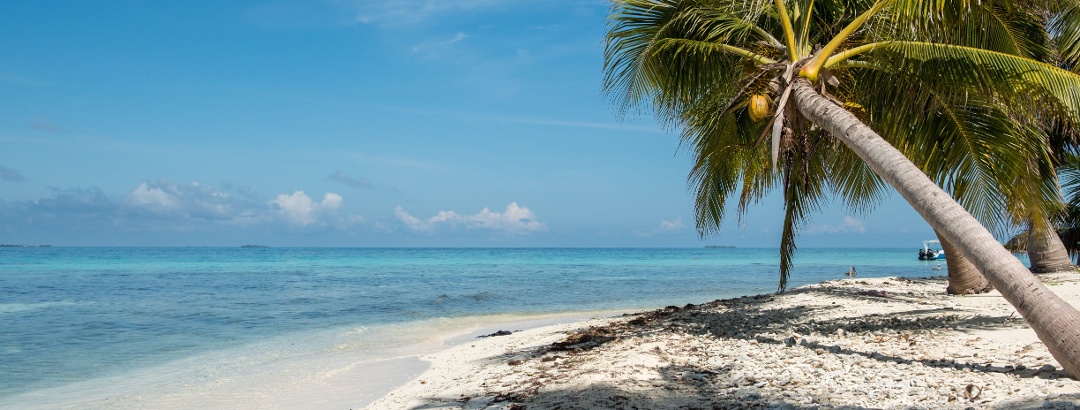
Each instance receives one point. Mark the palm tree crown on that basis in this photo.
(958, 87)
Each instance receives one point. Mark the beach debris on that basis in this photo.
(857, 352)
(875, 293)
(588, 339)
(499, 333)
(851, 272)
(971, 394)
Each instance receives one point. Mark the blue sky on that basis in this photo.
(346, 123)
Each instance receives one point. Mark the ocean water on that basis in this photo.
(165, 322)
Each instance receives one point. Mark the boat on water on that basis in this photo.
(929, 253)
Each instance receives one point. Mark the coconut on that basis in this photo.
(760, 107)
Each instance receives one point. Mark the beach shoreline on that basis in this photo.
(845, 343)
(342, 368)
(388, 378)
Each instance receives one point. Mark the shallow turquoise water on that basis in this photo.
(75, 314)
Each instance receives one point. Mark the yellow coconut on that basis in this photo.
(759, 107)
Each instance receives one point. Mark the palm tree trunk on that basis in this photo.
(1056, 323)
(1046, 251)
(964, 277)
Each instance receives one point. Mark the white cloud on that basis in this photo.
(437, 47)
(184, 203)
(665, 226)
(412, 222)
(515, 219)
(164, 207)
(300, 209)
(670, 226)
(145, 195)
(194, 199)
(849, 225)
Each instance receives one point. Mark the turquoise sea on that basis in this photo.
(75, 319)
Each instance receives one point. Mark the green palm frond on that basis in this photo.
(1010, 31)
(1037, 85)
(855, 182)
(723, 137)
(970, 146)
(666, 52)
(930, 12)
(1069, 172)
(1064, 27)
(804, 193)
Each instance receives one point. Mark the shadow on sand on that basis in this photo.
(748, 319)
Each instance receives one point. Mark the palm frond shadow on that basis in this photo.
(606, 396)
(747, 319)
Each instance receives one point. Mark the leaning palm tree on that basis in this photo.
(719, 68)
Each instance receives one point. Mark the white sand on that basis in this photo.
(332, 369)
(853, 343)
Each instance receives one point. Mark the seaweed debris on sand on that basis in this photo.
(889, 343)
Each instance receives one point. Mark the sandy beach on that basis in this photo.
(890, 343)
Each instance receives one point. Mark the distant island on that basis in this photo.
(254, 246)
(720, 247)
(6, 245)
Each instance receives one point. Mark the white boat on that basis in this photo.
(928, 253)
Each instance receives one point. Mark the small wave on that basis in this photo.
(358, 330)
(23, 307)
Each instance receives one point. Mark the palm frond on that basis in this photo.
(970, 146)
(726, 164)
(1064, 27)
(855, 182)
(805, 182)
(1069, 173)
(665, 53)
(1049, 89)
(925, 13)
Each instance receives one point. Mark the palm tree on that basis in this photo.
(1044, 242)
(1046, 251)
(1066, 230)
(964, 276)
(1051, 244)
(711, 66)
(1067, 224)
